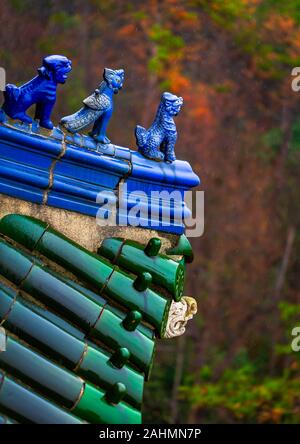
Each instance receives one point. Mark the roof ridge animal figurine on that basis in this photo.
(98, 107)
(41, 91)
(158, 142)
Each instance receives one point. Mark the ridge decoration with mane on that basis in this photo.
(41, 91)
(158, 142)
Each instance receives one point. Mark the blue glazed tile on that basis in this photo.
(74, 187)
(57, 133)
(166, 213)
(15, 189)
(89, 143)
(21, 126)
(91, 168)
(85, 175)
(76, 204)
(24, 174)
(75, 139)
(139, 185)
(96, 161)
(81, 173)
(13, 153)
(108, 149)
(156, 214)
(177, 174)
(176, 209)
(123, 153)
(69, 138)
(123, 219)
(36, 143)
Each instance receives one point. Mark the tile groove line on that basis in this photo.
(52, 168)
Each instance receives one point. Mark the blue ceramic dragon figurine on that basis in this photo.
(41, 90)
(158, 142)
(98, 107)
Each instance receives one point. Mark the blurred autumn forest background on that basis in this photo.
(231, 60)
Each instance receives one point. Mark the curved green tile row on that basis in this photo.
(77, 355)
(101, 410)
(137, 258)
(26, 405)
(37, 236)
(63, 387)
(60, 385)
(143, 328)
(59, 358)
(96, 320)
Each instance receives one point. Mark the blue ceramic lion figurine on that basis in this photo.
(158, 142)
(98, 107)
(41, 91)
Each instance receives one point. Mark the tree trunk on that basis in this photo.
(177, 379)
(286, 127)
(291, 234)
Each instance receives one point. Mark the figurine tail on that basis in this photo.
(78, 121)
(11, 93)
(140, 135)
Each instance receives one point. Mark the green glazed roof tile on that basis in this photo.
(84, 359)
(31, 407)
(81, 351)
(99, 410)
(26, 231)
(183, 248)
(136, 258)
(95, 271)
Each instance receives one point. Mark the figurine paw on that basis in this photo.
(46, 124)
(23, 117)
(152, 154)
(170, 158)
(158, 157)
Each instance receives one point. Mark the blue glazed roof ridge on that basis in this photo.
(68, 171)
(31, 139)
(178, 173)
